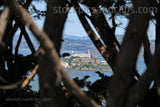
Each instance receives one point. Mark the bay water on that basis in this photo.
(141, 67)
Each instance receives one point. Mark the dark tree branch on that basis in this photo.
(29, 42)
(30, 77)
(3, 23)
(157, 28)
(4, 18)
(27, 4)
(105, 52)
(99, 21)
(11, 86)
(53, 26)
(18, 44)
(147, 50)
(107, 34)
(50, 52)
(125, 71)
(137, 93)
(16, 25)
(55, 20)
(114, 30)
(2, 79)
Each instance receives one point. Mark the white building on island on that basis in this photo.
(82, 55)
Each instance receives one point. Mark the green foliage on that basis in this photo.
(89, 65)
(79, 63)
(97, 90)
(71, 59)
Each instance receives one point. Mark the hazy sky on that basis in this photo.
(74, 27)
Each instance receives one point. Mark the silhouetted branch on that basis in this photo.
(2, 79)
(39, 34)
(27, 4)
(26, 36)
(30, 77)
(157, 16)
(114, 30)
(106, 32)
(139, 90)
(18, 44)
(29, 42)
(16, 25)
(56, 20)
(123, 78)
(96, 41)
(53, 26)
(3, 23)
(147, 51)
(11, 86)
(50, 52)
(75, 90)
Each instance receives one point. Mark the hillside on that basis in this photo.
(82, 45)
(74, 43)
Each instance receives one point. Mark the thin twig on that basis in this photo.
(26, 36)
(18, 44)
(29, 42)
(147, 50)
(30, 77)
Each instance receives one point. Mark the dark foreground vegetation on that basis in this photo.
(125, 89)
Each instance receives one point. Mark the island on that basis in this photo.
(85, 62)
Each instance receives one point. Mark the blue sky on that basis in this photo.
(74, 27)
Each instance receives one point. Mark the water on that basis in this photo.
(73, 73)
(101, 58)
(141, 67)
(93, 76)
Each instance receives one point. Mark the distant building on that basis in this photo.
(65, 64)
(103, 62)
(82, 55)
